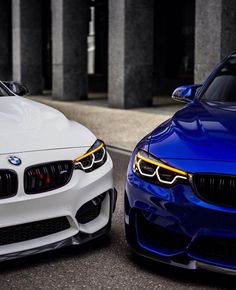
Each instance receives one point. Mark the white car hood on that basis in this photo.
(26, 125)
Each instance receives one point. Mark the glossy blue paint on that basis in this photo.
(203, 131)
(185, 93)
(199, 138)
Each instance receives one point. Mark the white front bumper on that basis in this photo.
(62, 202)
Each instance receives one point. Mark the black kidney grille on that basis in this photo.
(8, 183)
(48, 176)
(214, 188)
(33, 230)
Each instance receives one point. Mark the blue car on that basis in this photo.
(180, 197)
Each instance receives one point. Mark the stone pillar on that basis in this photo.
(26, 41)
(130, 53)
(5, 43)
(69, 34)
(215, 34)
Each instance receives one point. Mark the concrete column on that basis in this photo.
(26, 41)
(69, 34)
(130, 53)
(5, 43)
(215, 34)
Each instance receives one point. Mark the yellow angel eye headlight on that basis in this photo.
(154, 170)
(93, 159)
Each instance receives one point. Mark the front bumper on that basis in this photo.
(175, 227)
(72, 241)
(23, 209)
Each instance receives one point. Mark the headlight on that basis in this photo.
(156, 171)
(94, 158)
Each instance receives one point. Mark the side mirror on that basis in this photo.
(185, 93)
(17, 88)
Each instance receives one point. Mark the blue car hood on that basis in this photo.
(202, 131)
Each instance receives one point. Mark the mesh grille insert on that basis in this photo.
(215, 249)
(34, 230)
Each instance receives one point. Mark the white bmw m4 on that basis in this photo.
(56, 184)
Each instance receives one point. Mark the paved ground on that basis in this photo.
(104, 264)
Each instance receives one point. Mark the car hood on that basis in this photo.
(26, 125)
(203, 131)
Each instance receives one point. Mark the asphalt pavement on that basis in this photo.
(107, 263)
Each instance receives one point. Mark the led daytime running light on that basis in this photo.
(138, 167)
(95, 157)
(89, 153)
(159, 164)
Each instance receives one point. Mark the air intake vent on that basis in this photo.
(8, 183)
(214, 249)
(46, 177)
(90, 210)
(34, 230)
(215, 188)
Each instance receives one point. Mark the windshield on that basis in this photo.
(223, 87)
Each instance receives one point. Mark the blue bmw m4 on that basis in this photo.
(180, 197)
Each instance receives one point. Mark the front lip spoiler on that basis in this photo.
(78, 239)
(217, 269)
(192, 265)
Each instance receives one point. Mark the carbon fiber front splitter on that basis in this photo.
(73, 241)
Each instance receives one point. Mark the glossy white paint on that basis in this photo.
(37, 134)
(26, 125)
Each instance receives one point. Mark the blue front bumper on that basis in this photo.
(175, 226)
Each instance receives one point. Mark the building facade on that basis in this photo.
(130, 49)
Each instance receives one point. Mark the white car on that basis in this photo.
(56, 184)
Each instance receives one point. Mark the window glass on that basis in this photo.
(223, 86)
(3, 92)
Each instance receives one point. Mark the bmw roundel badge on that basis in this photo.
(14, 160)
